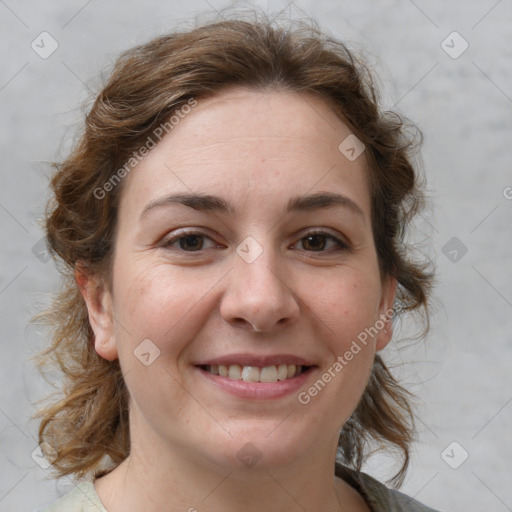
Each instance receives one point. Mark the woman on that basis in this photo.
(231, 230)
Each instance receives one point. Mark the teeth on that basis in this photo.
(235, 372)
(268, 374)
(251, 374)
(255, 374)
(282, 372)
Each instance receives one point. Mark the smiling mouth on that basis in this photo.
(272, 373)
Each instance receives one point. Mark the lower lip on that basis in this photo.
(258, 390)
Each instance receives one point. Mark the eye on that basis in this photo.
(191, 241)
(194, 241)
(316, 241)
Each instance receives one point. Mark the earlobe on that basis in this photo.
(99, 306)
(386, 313)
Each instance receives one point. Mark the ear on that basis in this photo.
(386, 312)
(99, 306)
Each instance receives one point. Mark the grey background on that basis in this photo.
(460, 373)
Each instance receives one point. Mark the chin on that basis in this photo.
(258, 449)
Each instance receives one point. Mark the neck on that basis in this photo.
(157, 477)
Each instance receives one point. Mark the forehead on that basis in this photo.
(252, 145)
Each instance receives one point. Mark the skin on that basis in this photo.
(255, 149)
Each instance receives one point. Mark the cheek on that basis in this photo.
(156, 302)
(347, 306)
(347, 310)
(153, 308)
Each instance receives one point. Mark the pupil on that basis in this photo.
(315, 237)
(188, 240)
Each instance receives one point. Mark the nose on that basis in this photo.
(259, 295)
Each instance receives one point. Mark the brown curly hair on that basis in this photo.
(148, 84)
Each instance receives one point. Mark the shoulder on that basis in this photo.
(379, 497)
(82, 498)
(385, 499)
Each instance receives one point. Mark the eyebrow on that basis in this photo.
(207, 202)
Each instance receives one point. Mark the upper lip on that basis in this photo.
(256, 360)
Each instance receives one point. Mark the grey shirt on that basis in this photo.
(379, 498)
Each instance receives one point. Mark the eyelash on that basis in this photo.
(342, 246)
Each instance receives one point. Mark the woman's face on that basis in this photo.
(245, 242)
